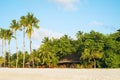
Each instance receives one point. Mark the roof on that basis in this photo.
(72, 58)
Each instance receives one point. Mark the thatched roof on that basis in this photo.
(72, 58)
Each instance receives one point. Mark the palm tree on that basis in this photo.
(23, 23)
(118, 30)
(3, 37)
(35, 56)
(15, 26)
(79, 34)
(32, 22)
(9, 37)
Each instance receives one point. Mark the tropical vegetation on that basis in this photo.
(94, 49)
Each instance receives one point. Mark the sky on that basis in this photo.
(59, 17)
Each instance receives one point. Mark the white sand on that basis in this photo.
(59, 74)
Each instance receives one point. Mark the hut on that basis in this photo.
(69, 61)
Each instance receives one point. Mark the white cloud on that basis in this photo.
(41, 33)
(98, 26)
(101, 25)
(67, 4)
(36, 46)
(96, 23)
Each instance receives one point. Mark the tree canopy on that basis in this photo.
(94, 49)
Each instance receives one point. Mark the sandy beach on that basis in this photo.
(59, 74)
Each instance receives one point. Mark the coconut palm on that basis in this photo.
(32, 22)
(15, 26)
(3, 37)
(79, 34)
(23, 23)
(9, 37)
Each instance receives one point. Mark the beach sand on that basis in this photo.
(58, 74)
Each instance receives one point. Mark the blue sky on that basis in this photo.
(58, 17)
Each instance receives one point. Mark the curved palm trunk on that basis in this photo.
(31, 52)
(16, 52)
(23, 47)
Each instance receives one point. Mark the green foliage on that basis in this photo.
(1, 61)
(15, 25)
(93, 45)
(47, 57)
(112, 60)
(31, 22)
(64, 46)
(112, 51)
(94, 49)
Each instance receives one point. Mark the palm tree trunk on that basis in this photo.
(16, 51)
(94, 63)
(2, 47)
(4, 53)
(31, 52)
(30, 45)
(23, 47)
(9, 56)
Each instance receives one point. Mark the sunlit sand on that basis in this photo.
(59, 74)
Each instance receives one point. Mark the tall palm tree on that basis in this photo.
(1, 37)
(9, 37)
(32, 22)
(4, 37)
(15, 26)
(23, 24)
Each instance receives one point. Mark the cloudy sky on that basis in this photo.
(58, 17)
